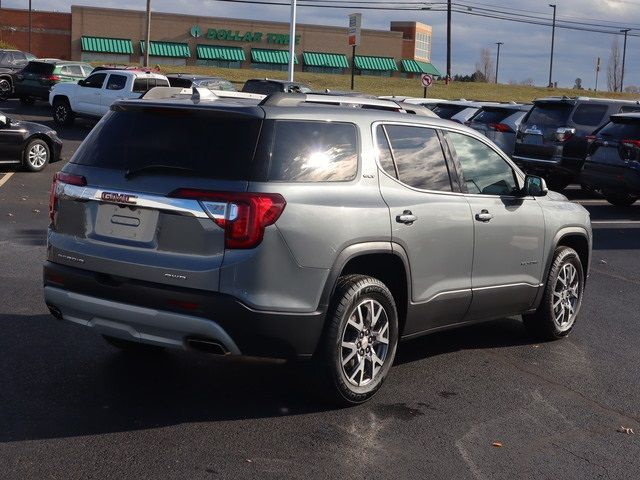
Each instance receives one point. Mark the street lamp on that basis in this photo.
(553, 38)
(147, 41)
(29, 26)
(498, 59)
(624, 56)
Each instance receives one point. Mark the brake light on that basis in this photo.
(564, 133)
(500, 127)
(243, 215)
(590, 138)
(59, 179)
(631, 143)
(52, 78)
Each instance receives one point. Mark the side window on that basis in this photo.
(74, 70)
(161, 82)
(86, 69)
(65, 71)
(483, 169)
(384, 152)
(630, 108)
(116, 82)
(141, 85)
(19, 56)
(590, 115)
(418, 156)
(95, 81)
(308, 151)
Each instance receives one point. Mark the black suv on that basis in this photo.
(266, 86)
(11, 62)
(551, 140)
(613, 160)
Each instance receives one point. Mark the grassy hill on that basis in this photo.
(403, 86)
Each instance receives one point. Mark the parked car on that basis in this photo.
(11, 62)
(187, 80)
(613, 160)
(265, 86)
(29, 144)
(552, 139)
(500, 123)
(459, 111)
(94, 96)
(304, 246)
(36, 79)
(429, 103)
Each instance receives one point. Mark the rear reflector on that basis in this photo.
(242, 215)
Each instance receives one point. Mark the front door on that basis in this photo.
(429, 221)
(10, 141)
(509, 231)
(89, 95)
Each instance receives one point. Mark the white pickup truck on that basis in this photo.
(93, 96)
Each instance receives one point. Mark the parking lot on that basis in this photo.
(482, 402)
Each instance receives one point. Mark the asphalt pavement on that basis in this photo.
(482, 402)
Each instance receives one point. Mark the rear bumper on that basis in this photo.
(559, 165)
(600, 175)
(32, 91)
(170, 316)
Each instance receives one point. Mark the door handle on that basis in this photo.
(484, 216)
(407, 217)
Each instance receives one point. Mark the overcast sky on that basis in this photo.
(526, 47)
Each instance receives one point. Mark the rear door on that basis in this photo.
(430, 222)
(508, 231)
(141, 215)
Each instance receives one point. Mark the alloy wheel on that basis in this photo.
(5, 89)
(566, 296)
(37, 155)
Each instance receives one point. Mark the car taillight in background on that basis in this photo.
(52, 78)
(59, 179)
(243, 216)
(631, 143)
(590, 138)
(630, 149)
(501, 127)
(564, 133)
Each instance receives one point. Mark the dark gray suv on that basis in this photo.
(297, 227)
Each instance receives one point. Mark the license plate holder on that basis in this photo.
(126, 223)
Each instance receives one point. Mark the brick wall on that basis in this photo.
(50, 32)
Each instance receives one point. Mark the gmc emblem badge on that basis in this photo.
(119, 198)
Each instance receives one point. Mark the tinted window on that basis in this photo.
(314, 152)
(143, 85)
(201, 141)
(384, 152)
(484, 171)
(180, 82)
(621, 130)
(444, 110)
(222, 85)
(39, 68)
(418, 156)
(116, 82)
(19, 56)
(491, 115)
(95, 81)
(262, 87)
(591, 115)
(630, 108)
(549, 114)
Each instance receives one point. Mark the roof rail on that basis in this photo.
(196, 94)
(280, 99)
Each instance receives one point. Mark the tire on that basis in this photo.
(132, 347)
(36, 155)
(549, 323)
(355, 356)
(619, 199)
(26, 100)
(5, 88)
(62, 113)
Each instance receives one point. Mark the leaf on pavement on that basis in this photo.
(497, 444)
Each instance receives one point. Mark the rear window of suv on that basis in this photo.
(446, 111)
(491, 115)
(210, 144)
(549, 114)
(39, 68)
(621, 130)
(590, 115)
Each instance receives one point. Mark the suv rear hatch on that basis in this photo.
(616, 144)
(38, 74)
(488, 121)
(157, 192)
(540, 132)
(448, 110)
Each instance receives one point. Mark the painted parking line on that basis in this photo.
(6, 178)
(614, 222)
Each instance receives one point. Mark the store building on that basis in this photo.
(117, 36)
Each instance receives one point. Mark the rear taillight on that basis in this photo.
(59, 179)
(590, 138)
(631, 143)
(564, 133)
(501, 127)
(52, 78)
(242, 215)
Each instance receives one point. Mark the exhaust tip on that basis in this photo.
(205, 345)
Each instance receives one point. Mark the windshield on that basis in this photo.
(549, 114)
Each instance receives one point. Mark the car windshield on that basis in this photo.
(547, 114)
(625, 130)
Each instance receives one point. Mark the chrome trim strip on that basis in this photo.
(175, 205)
(509, 285)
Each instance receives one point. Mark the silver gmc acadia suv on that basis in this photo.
(304, 226)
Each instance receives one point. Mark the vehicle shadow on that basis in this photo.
(65, 382)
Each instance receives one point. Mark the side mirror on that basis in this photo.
(82, 83)
(535, 186)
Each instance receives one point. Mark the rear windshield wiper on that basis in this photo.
(154, 168)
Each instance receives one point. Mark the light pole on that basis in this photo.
(292, 39)
(29, 26)
(498, 59)
(624, 56)
(553, 38)
(147, 40)
(448, 79)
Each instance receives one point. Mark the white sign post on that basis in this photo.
(355, 24)
(426, 80)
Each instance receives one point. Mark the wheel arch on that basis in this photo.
(45, 138)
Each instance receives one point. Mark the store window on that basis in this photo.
(375, 73)
(218, 63)
(270, 66)
(333, 70)
(423, 45)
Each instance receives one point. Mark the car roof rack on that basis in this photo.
(196, 94)
(280, 99)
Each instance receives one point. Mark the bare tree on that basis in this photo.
(527, 82)
(485, 65)
(614, 67)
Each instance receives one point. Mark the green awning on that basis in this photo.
(216, 52)
(167, 49)
(320, 59)
(106, 45)
(260, 55)
(375, 63)
(415, 66)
